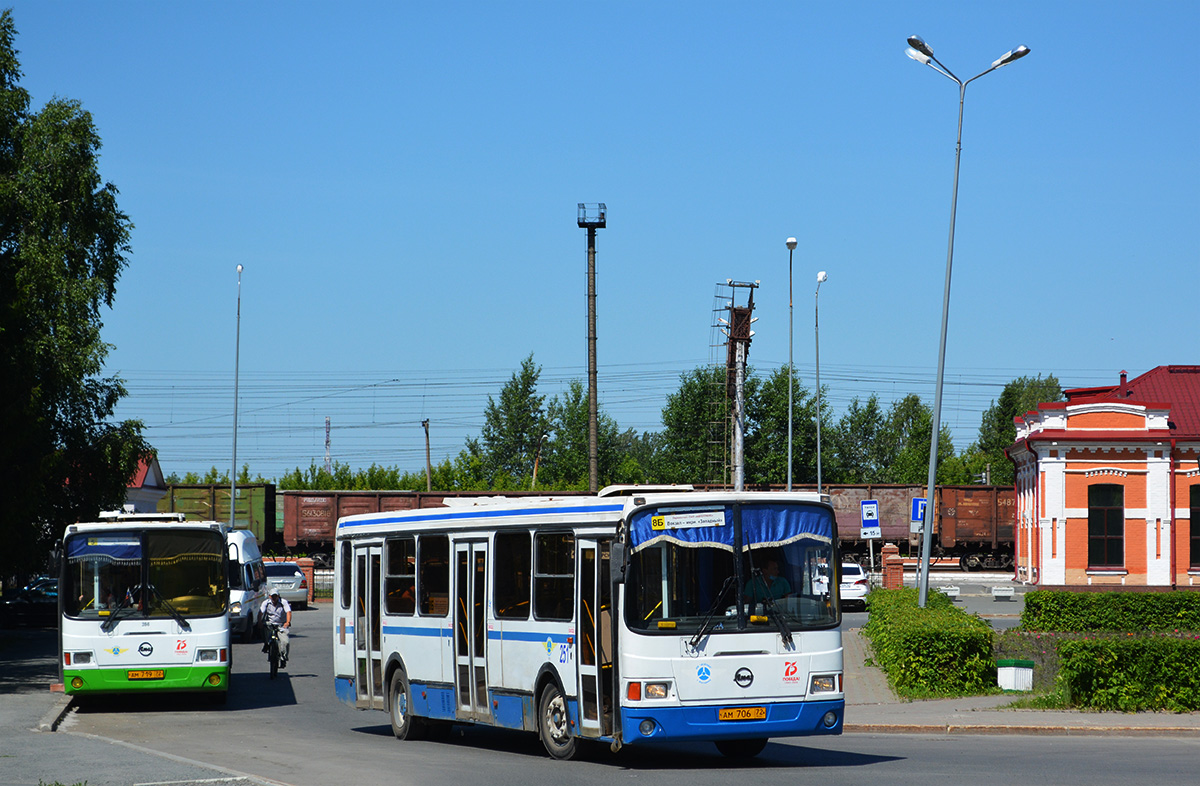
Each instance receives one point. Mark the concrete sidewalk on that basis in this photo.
(872, 708)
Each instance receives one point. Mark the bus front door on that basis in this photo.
(369, 687)
(470, 630)
(595, 638)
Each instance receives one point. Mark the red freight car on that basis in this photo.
(974, 524)
(310, 517)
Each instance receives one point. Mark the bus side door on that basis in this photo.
(470, 630)
(369, 687)
(596, 698)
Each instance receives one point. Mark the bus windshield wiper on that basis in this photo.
(183, 623)
(704, 626)
(772, 610)
(113, 617)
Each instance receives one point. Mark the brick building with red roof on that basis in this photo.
(146, 487)
(1108, 485)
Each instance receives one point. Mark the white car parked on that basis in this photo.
(854, 586)
(289, 580)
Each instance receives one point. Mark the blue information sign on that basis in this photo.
(870, 520)
(918, 514)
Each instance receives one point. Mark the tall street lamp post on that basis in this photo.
(791, 244)
(821, 278)
(237, 351)
(923, 53)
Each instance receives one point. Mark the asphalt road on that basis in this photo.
(293, 731)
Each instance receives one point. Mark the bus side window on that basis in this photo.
(433, 579)
(511, 579)
(400, 582)
(554, 576)
(346, 567)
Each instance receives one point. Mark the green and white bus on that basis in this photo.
(144, 606)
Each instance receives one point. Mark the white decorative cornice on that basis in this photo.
(1120, 473)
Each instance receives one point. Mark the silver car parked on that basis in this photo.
(289, 580)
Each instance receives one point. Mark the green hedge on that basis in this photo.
(939, 650)
(1131, 674)
(1111, 611)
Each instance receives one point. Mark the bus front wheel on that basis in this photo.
(554, 724)
(404, 724)
(741, 749)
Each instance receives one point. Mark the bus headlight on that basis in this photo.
(235, 608)
(206, 656)
(824, 683)
(646, 727)
(658, 690)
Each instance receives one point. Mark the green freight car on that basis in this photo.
(254, 508)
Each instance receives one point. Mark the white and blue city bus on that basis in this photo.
(640, 615)
(144, 602)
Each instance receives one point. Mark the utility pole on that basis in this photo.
(428, 466)
(592, 217)
(739, 333)
(328, 461)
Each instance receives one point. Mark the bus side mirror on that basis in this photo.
(616, 561)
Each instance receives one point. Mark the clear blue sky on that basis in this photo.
(400, 182)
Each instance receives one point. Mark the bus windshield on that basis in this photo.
(145, 573)
(683, 573)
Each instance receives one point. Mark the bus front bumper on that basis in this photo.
(783, 719)
(205, 677)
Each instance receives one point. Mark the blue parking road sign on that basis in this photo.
(918, 514)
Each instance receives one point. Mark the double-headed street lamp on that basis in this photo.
(791, 244)
(923, 53)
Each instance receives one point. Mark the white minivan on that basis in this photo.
(247, 581)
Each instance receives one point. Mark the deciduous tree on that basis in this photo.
(63, 245)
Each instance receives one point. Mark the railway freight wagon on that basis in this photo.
(973, 526)
(254, 508)
(310, 517)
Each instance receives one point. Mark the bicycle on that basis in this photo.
(271, 634)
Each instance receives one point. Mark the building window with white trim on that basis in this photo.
(1106, 526)
(1194, 525)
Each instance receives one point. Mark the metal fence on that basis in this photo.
(322, 583)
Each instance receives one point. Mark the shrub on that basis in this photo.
(1111, 611)
(939, 650)
(1131, 674)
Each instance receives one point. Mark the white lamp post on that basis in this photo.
(923, 53)
(791, 244)
(821, 278)
(237, 351)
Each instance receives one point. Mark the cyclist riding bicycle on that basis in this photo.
(277, 613)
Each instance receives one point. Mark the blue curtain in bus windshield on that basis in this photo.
(712, 525)
(114, 547)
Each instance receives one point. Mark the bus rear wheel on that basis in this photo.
(554, 724)
(405, 726)
(741, 749)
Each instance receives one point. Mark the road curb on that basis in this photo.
(55, 715)
(1061, 731)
